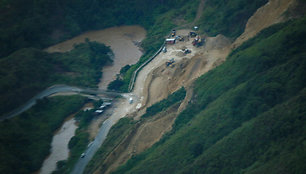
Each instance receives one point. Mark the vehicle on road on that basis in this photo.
(90, 144)
(82, 155)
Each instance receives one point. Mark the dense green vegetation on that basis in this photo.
(41, 23)
(25, 139)
(247, 115)
(160, 106)
(78, 143)
(227, 17)
(29, 70)
(115, 136)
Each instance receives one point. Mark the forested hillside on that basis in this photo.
(40, 23)
(227, 17)
(246, 116)
(29, 70)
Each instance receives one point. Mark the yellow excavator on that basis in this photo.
(170, 62)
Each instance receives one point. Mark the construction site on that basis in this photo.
(185, 56)
(178, 64)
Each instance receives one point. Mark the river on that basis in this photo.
(124, 42)
(59, 150)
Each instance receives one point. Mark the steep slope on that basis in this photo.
(259, 91)
(271, 13)
(227, 17)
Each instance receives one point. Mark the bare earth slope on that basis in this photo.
(269, 14)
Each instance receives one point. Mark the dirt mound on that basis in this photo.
(217, 43)
(180, 54)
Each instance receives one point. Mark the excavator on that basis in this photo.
(170, 62)
(197, 41)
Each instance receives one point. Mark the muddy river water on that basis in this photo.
(123, 41)
(59, 150)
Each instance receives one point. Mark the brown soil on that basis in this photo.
(164, 80)
(271, 13)
(199, 11)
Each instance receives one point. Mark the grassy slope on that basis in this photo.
(164, 104)
(28, 71)
(248, 115)
(25, 139)
(115, 136)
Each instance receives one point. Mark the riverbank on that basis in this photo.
(124, 41)
(59, 145)
(29, 135)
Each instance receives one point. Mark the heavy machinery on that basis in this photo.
(179, 38)
(193, 34)
(173, 33)
(186, 51)
(197, 41)
(170, 62)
